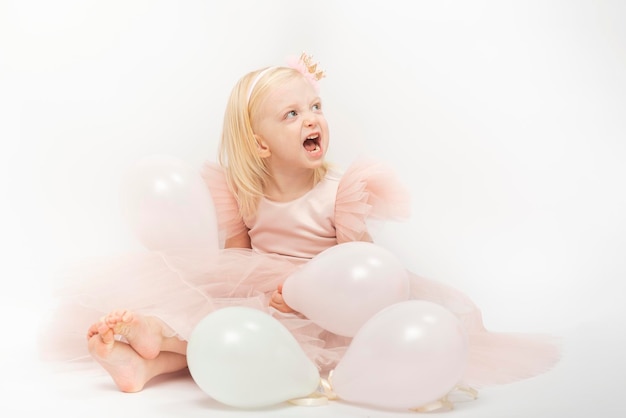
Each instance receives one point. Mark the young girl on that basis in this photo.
(278, 205)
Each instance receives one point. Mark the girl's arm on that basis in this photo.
(241, 240)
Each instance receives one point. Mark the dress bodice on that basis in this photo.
(300, 228)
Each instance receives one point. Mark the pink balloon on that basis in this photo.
(406, 356)
(345, 285)
(168, 205)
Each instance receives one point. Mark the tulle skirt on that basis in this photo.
(182, 287)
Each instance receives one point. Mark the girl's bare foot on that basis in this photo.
(126, 367)
(143, 333)
(94, 329)
(133, 364)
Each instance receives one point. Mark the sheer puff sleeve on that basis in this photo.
(368, 190)
(229, 221)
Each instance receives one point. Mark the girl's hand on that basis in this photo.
(277, 302)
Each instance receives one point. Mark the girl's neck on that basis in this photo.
(284, 187)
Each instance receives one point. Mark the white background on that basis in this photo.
(505, 119)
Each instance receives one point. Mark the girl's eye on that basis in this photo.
(291, 114)
(317, 106)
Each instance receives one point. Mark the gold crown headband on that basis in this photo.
(304, 65)
(310, 68)
(256, 80)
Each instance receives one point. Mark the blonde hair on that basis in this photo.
(246, 172)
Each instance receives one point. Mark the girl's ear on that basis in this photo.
(262, 148)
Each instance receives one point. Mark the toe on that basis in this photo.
(107, 337)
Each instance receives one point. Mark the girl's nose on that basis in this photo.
(310, 120)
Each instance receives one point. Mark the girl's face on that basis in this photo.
(290, 129)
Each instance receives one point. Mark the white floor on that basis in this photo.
(586, 383)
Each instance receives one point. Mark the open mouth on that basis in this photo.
(312, 143)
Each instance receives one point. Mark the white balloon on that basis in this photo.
(168, 205)
(345, 285)
(245, 358)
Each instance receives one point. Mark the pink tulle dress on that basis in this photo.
(182, 286)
